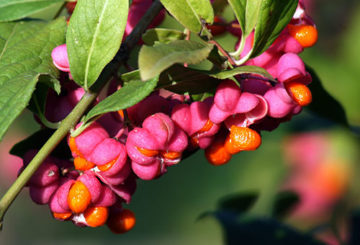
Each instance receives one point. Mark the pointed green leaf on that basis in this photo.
(190, 12)
(17, 9)
(162, 35)
(284, 203)
(246, 12)
(323, 103)
(94, 36)
(25, 57)
(180, 79)
(203, 9)
(153, 60)
(37, 140)
(129, 76)
(129, 95)
(260, 230)
(273, 17)
(241, 70)
(238, 203)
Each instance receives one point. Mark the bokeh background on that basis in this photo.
(167, 209)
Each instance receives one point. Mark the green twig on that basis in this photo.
(49, 146)
(69, 122)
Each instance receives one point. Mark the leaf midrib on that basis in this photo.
(20, 2)
(7, 41)
(92, 47)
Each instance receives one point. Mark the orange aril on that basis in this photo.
(195, 137)
(62, 216)
(195, 140)
(300, 93)
(242, 139)
(107, 166)
(96, 216)
(73, 147)
(306, 35)
(147, 152)
(82, 165)
(79, 197)
(122, 222)
(172, 155)
(121, 114)
(216, 153)
(208, 125)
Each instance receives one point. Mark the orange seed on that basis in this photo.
(216, 153)
(62, 216)
(242, 139)
(79, 197)
(300, 93)
(96, 216)
(122, 222)
(82, 165)
(306, 35)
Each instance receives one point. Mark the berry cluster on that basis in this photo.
(147, 138)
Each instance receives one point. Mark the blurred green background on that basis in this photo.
(167, 209)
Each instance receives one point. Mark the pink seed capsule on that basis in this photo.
(147, 172)
(116, 179)
(160, 126)
(62, 194)
(89, 179)
(125, 190)
(46, 174)
(105, 152)
(86, 142)
(279, 101)
(140, 138)
(60, 58)
(42, 195)
(58, 202)
(107, 197)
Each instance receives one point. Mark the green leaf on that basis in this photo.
(17, 9)
(203, 9)
(94, 36)
(24, 58)
(354, 222)
(246, 12)
(162, 35)
(36, 141)
(190, 12)
(153, 60)
(260, 231)
(273, 17)
(323, 104)
(238, 203)
(129, 95)
(129, 76)
(242, 70)
(38, 100)
(219, 6)
(180, 79)
(284, 203)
